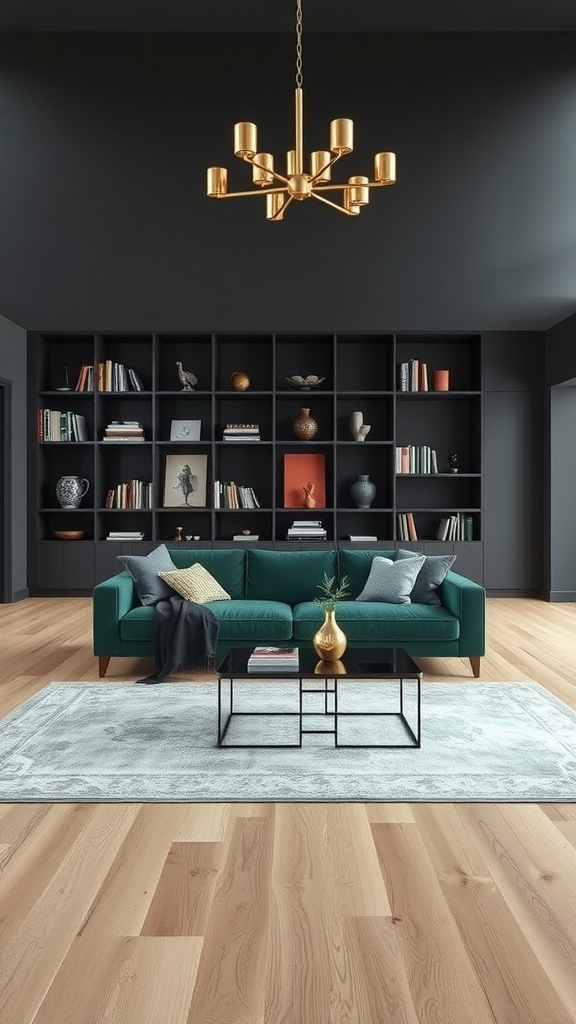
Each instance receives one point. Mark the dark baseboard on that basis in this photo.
(560, 595)
(514, 593)
(21, 595)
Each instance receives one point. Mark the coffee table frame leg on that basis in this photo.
(416, 737)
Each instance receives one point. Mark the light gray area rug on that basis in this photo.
(110, 742)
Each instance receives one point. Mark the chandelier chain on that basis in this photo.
(299, 44)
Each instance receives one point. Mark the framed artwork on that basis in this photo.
(185, 481)
(185, 430)
(304, 475)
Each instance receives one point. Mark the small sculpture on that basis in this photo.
(358, 427)
(309, 500)
(178, 533)
(453, 462)
(305, 383)
(189, 380)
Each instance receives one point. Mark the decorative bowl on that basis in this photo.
(305, 383)
(69, 534)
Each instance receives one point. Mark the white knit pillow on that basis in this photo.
(195, 584)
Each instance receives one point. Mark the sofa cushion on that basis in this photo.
(389, 624)
(356, 565)
(138, 624)
(430, 577)
(391, 581)
(144, 571)
(289, 576)
(195, 584)
(226, 565)
(252, 620)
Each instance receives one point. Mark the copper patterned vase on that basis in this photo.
(330, 641)
(305, 428)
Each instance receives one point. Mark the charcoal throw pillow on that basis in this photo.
(430, 577)
(391, 582)
(144, 570)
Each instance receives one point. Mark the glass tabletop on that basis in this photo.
(356, 663)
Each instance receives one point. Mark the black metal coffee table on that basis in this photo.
(387, 664)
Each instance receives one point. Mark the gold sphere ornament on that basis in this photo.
(240, 381)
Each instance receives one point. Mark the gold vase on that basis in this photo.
(330, 641)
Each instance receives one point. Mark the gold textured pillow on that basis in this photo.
(195, 584)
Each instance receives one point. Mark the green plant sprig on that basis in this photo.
(332, 592)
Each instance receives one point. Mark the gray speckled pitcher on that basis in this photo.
(70, 490)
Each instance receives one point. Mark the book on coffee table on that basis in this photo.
(273, 658)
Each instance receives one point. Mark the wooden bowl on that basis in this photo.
(69, 534)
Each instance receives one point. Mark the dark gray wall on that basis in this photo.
(560, 477)
(513, 462)
(13, 368)
(102, 195)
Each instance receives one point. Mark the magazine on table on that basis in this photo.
(277, 658)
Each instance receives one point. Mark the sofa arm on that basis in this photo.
(112, 599)
(466, 600)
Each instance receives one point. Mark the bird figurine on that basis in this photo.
(305, 383)
(189, 379)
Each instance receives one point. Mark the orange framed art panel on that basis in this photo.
(299, 471)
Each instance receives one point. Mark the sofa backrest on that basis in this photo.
(356, 566)
(288, 576)
(227, 565)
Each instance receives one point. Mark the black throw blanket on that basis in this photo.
(185, 637)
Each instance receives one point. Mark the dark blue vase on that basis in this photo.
(363, 491)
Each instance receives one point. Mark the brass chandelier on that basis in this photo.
(297, 183)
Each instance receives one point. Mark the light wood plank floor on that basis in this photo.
(287, 913)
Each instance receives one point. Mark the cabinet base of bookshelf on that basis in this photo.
(475, 663)
(103, 663)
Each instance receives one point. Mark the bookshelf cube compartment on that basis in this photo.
(304, 355)
(289, 409)
(58, 353)
(356, 460)
(243, 409)
(367, 522)
(60, 459)
(125, 520)
(132, 407)
(50, 522)
(364, 362)
(459, 354)
(194, 351)
(248, 465)
(231, 523)
(195, 523)
(249, 354)
(133, 351)
(285, 518)
(445, 424)
(187, 409)
(119, 463)
(378, 413)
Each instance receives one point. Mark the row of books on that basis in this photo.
(123, 430)
(241, 432)
(413, 376)
(132, 494)
(306, 529)
(54, 425)
(412, 458)
(276, 659)
(233, 495)
(456, 527)
(110, 376)
(407, 526)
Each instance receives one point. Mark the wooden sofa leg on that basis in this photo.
(103, 663)
(474, 660)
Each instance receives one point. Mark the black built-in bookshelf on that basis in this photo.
(361, 373)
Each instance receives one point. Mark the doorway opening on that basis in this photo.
(5, 492)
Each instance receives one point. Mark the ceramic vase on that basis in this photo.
(240, 381)
(70, 490)
(305, 428)
(330, 641)
(358, 427)
(363, 491)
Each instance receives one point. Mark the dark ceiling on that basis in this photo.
(278, 16)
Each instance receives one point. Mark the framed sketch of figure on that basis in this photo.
(185, 481)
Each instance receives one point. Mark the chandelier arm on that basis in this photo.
(260, 192)
(325, 168)
(275, 174)
(345, 186)
(329, 202)
(280, 212)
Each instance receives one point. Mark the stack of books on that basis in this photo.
(241, 432)
(276, 659)
(362, 536)
(125, 535)
(246, 536)
(124, 430)
(306, 529)
(54, 425)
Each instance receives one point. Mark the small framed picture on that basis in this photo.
(185, 430)
(185, 481)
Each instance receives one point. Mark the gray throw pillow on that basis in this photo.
(391, 581)
(430, 577)
(144, 570)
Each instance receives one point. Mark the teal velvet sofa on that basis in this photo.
(272, 602)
